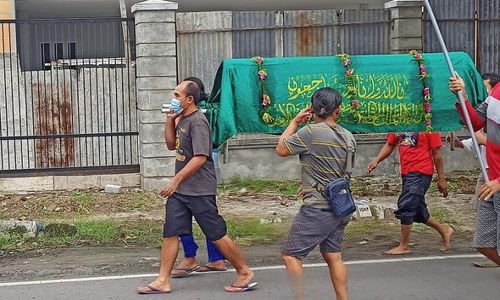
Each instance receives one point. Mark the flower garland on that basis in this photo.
(352, 88)
(426, 91)
(266, 99)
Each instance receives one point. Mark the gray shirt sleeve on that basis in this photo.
(299, 142)
(200, 137)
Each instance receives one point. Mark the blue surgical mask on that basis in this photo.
(176, 106)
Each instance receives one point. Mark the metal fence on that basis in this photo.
(67, 96)
(472, 26)
(206, 38)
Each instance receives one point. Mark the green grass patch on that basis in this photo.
(419, 227)
(248, 232)
(283, 188)
(442, 215)
(141, 233)
(143, 202)
(452, 187)
(8, 242)
(358, 228)
(95, 232)
(83, 201)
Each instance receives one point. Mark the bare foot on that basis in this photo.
(447, 237)
(243, 280)
(185, 264)
(399, 250)
(155, 287)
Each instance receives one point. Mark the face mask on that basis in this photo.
(176, 106)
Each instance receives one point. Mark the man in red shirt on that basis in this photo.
(487, 116)
(418, 154)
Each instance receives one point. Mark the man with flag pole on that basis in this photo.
(487, 234)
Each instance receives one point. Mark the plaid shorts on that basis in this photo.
(313, 226)
(487, 234)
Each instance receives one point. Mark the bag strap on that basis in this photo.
(350, 159)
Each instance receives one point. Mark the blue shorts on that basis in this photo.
(411, 202)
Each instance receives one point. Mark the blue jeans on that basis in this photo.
(190, 247)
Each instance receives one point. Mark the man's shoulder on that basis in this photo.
(347, 133)
(430, 136)
(495, 92)
(197, 118)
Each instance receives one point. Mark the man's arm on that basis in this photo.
(439, 164)
(386, 150)
(195, 164)
(467, 145)
(303, 117)
(478, 118)
(281, 149)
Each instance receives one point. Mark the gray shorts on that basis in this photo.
(487, 234)
(180, 210)
(313, 226)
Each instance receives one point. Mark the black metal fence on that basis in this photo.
(67, 96)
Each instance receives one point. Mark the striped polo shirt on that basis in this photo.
(322, 151)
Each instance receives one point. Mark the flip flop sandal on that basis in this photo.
(149, 290)
(485, 264)
(234, 288)
(185, 272)
(207, 268)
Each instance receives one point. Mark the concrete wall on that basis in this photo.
(257, 159)
(156, 80)
(57, 183)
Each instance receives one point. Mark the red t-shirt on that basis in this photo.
(415, 150)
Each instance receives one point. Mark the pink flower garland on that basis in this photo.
(426, 92)
(352, 89)
(266, 99)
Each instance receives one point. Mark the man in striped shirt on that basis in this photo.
(487, 116)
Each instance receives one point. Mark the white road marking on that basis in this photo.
(265, 268)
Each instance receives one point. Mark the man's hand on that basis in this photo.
(372, 166)
(170, 188)
(303, 117)
(442, 186)
(489, 189)
(172, 116)
(481, 138)
(457, 84)
(301, 192)
(456, 141)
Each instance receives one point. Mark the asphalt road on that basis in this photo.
(440, 278)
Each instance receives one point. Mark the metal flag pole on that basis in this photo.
(460, 96)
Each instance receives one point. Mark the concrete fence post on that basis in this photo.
(406, 25)
(156, 66)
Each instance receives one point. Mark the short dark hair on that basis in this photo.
(325, 102)
(192, 90)
(492, 77)
(203, 94)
